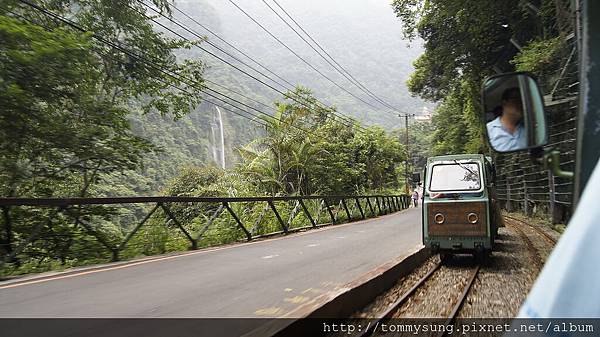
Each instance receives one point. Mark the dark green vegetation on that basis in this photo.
(67, 101)
(466, 41)
(82, 118)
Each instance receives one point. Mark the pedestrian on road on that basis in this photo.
(415, 198)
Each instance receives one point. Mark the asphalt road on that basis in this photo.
(259, 279)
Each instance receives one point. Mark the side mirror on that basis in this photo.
(513, 112)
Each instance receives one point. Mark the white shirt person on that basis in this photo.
(506, 132)
(503, 140)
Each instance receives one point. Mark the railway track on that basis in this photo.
(548, 237)
(394, 307)
(517, 225)
(537, 259)
(430, 300)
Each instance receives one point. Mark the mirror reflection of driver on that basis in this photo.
(506, 131)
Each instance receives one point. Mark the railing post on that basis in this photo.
(34, 234)
(508, 202)
(362, 214)
(248, 235)
(9, 233)
(128, 237)
(346, 209)
(307, 213)
(213, 217)
(525, 203)
(170, 215)
(370, 206)
(115, 255)
(552, 197)
(283, 226)
(329, 210)
(378, 205)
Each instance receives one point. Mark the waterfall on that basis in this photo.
(213, 139)
(222, 137)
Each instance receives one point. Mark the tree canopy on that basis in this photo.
(466, 41)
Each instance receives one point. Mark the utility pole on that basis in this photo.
(406, 116)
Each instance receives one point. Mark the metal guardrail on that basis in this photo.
(353, 207)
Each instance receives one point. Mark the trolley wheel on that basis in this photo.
(445, 257)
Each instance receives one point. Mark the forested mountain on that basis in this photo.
(102, 98)
(364, 37)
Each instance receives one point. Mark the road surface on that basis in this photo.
(258, 279)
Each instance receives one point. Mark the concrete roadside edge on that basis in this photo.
(346, 300)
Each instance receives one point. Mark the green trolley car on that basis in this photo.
(460, 214)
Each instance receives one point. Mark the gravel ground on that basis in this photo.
(499, 289)
(437, 297)
(381, 303)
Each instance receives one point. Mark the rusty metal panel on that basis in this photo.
(455, 223)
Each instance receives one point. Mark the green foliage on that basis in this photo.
(467, 40)
(67, 101)
(81, 118)
(539, 55)
(457, 123)
(332, 159)
(462, 38)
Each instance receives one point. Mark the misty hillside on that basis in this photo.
(363, 36)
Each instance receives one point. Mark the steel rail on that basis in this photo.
(538, 261)
(461, 300)
(387, 314)
(551, 239)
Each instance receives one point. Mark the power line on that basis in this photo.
(228, 97)
(301, 58)
(346, 119)
(177, 77)
(290, 86)
(231, 45)
(343, 70)
(295, 96)
(158, 78)
(310, 45)
(175, 86)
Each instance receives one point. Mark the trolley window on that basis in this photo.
(455, 177)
